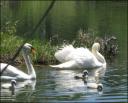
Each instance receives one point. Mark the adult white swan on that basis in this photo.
(14, 73)
(71, 57)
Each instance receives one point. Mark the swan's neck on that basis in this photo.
(31, 71)
(99, 57)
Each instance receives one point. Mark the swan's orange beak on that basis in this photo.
(33, 51)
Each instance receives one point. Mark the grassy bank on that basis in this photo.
(10, 42)
(45, 49)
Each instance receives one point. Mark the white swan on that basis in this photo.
(14, 73)
(71, 57)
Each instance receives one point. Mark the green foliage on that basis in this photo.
(45, 49)
(10, 42)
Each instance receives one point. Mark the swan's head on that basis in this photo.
(100, 87)
(28, 48)
(96, 47)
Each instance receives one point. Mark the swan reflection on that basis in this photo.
(93, 80)
(65, 81)
(20, 87)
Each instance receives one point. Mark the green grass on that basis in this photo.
(10, 42)
(44, 50)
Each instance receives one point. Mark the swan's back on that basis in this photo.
(79, 57)
(61, 55)
(84, 57)
(11, 71)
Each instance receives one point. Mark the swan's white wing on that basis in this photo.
(61, 55)
(78, 53)
(76, 58)
(66, 65)
(84, 58)
(11, 72)
(7, 78)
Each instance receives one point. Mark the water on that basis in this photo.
(53, 85)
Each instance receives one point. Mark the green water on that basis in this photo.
(99, 18)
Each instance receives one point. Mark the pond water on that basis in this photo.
(66, 18)
(59, 85)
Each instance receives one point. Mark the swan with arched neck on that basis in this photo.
(71, 57)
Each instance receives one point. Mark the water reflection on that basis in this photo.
(55, 85)
(65, 81)
(21, 86)
(97, 73)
